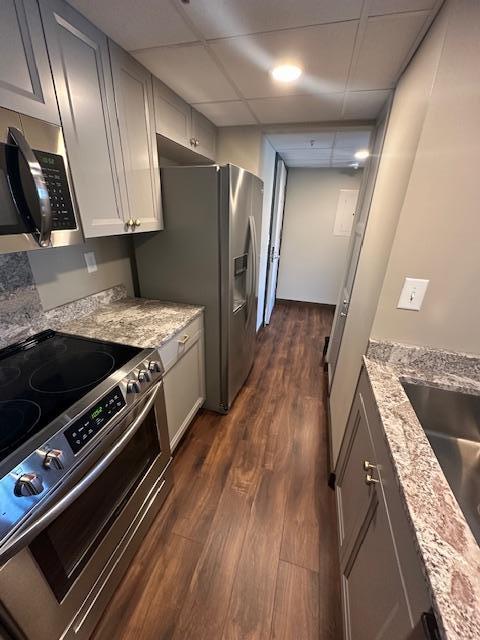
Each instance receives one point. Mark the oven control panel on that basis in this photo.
(53, 169)
(85, 428)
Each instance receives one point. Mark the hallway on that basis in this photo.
(245, 545)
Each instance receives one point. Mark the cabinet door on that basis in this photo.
(81, 70)
(172, 114)
(26, 83)
(353, 494)
(134, 103)
(184, 391)
(374, 601)
(205, 135)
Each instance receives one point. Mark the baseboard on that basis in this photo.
(320, 305)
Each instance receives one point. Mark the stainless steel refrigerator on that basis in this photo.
(208, 255)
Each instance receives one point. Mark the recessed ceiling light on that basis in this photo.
(362, 154)
(286, 73)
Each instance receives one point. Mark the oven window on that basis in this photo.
(66, 545)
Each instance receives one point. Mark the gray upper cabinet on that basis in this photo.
(81, 68)
(26, 83)
(178, 121)
(204, 135)
(172, 114)
(134, 104)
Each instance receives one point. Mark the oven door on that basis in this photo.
(59, 585)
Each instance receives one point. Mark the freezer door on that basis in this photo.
(243, 222)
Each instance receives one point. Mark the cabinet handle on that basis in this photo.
(184, 340)
(137, 222)
(130, 223)
(193, 142)
(197, 142)
(369, 467)
(369, 479)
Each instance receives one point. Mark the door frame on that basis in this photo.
(366, 193)
(270, 233)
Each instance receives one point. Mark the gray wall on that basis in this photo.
(61, 274)
(403, 134)
(313, 259)
(438, 236)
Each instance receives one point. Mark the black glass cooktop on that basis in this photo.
(42, 376)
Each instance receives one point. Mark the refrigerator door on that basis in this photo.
(240, 295)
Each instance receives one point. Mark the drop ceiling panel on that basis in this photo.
(223, 18)
(313, 140)
(137, 25)
(309, 164)
(364, 105)
(385, 46)
(297, 108)
(381, 7)
(352, 139)
(190, 71)
(225, 114)
(307, 154)
(324, 52)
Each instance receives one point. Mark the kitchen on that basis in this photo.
(179, 457)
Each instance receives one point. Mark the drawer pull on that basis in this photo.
(184, 339)
(368, 466)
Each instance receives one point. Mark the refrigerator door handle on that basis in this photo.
(253, 280)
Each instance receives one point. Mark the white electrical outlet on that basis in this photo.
(90, 261)
(412, 295)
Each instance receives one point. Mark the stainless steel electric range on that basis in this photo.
(84, 457)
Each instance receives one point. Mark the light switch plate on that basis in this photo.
(412, 295)
(90, 261)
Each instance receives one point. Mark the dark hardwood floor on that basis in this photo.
(245, 544)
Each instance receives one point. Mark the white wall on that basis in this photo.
(267, 173)
(403, 134)
(241, 146)
(61, 273)
(438, 236)
(312, 258)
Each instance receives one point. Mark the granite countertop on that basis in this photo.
(448, 551)
(134, 321)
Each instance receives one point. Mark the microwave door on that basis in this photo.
(28, 187)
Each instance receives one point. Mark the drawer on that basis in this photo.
(354, 495)
(181, 342)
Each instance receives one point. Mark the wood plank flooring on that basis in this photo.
(245, 546)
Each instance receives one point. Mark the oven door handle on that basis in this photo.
(24, 536)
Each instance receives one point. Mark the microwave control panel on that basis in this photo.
(54, 172)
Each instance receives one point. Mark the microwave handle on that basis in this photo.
(44, 229)
(24, 536)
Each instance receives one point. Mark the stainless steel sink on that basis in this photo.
(451, 421)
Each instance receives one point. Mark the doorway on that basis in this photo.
(276, 225)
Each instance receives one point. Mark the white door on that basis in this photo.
(275, 238)
(356, 241)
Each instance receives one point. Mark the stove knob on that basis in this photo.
(54, 460)
(133, 386)
(155, 366)
(28, 484)
(144, 376)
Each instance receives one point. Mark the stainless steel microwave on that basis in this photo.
(37, 205)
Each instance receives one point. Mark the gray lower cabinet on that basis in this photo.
(134, 105)
(81, 68)
(383, 589)
(26, 83)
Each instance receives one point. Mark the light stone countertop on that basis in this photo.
(448, 551)
(134, 321)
